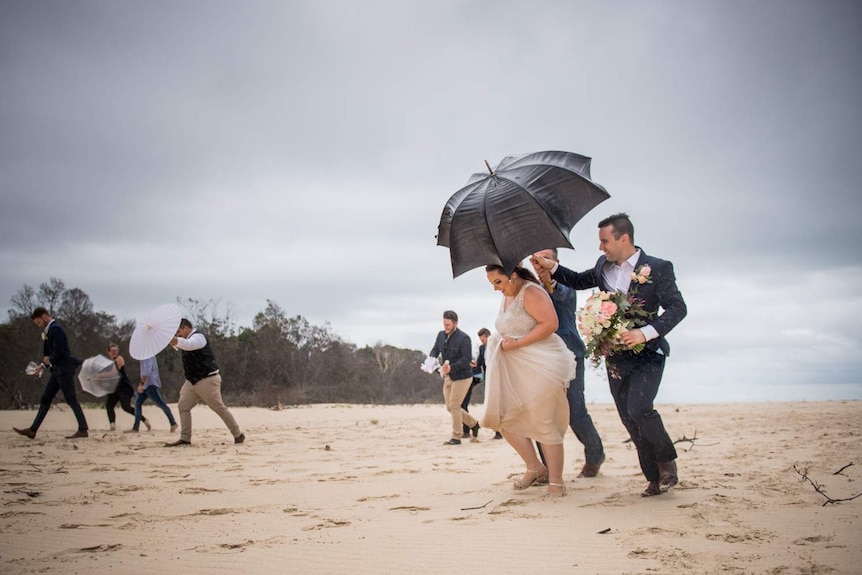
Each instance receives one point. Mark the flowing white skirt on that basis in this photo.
(525, 389)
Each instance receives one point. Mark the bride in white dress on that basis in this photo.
(528, 368)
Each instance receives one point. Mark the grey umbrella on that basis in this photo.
(99, 375)
(528, 203)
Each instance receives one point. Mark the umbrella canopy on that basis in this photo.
(528, 203)
(153, 333)
(99, 375)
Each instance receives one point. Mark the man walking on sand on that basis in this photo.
(634, 378)
(455, 351)
(203, 383)
(63, 365)
(565, 300)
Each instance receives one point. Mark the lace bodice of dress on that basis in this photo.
(515, 321)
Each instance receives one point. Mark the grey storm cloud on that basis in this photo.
(302, 152)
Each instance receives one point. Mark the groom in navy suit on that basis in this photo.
(63, 366)
(634, 378)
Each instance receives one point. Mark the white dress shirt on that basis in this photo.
(196, 340)
(619, 278)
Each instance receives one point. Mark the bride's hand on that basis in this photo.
(509, 344)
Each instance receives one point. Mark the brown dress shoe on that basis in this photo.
(25, 432)
(78, 434)
(178, 443)
(652, 489)
(591, 469)
(667, 476)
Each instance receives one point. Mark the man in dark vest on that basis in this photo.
(63, 366)
(203, 383)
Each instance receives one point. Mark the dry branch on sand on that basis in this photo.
(691, 440)
(819, 488)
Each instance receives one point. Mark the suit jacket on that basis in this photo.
(479, 370)
(56, 347)
(565, 302)
(661, 293)
(458, 350)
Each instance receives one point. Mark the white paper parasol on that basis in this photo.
(153, 333)
(99, 375)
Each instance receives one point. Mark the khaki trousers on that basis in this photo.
(207, 390)
(454, 393)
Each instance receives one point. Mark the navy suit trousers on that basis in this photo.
(634, 379)
(66, 383)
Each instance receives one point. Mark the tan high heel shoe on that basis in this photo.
(527, 481)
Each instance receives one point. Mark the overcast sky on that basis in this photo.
(302, 152)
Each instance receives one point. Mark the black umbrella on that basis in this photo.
(529, 203)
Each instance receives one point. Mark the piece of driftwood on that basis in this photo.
(803, 473)
(472, 508)
(691, 441)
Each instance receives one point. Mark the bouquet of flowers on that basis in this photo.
(432, 364)
(604, 317)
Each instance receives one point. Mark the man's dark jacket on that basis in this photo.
(56, 347)
(660, 295)
(458, 350)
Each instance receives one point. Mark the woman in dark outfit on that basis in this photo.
(124, 392)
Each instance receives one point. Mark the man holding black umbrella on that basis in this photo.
(634, 377)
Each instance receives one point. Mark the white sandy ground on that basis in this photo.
(371, 489)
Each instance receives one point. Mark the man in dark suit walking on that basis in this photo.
(565, 300)
(634, 378)
(63, 366)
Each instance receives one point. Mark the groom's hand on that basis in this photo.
(540, 262)
(633, 338)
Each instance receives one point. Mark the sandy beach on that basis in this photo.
(371, 489)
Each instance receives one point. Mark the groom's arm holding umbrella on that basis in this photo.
(575, 280)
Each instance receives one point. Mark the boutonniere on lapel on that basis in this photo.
(44, 336)
(641, 275)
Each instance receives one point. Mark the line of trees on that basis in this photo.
(279, 360)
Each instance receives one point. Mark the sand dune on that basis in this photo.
(371, 489)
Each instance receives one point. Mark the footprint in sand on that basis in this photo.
(222, 511)
(105, 547)
(199, 490)
(224, 548)
(411, 508)
(327, 524)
